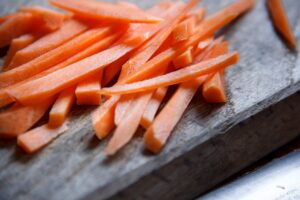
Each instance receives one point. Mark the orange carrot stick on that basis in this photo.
(281, 22)
(198, 14)
(61, 107)
(179, 76)
(202, 45)
(5, 99)
(15, 26)
(153, 106)
(16, 45)
(103, 117)
(19, 119)
(88, 91)
(113, 70)
(183, 60)
(145, 53)
(69, 75)
(161, 128)
(128, 125)
(212, 24)
(123, 107)
(53, 57)
(104, 11)
(52, 20)
(183, 30)
(39, 137)
(68, 30)
(213, 89)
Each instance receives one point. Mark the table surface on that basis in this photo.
(74, 165)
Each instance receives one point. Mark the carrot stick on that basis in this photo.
(104, 11)
(18, 119)
(128, 5)
(198, 14)
(16, 45)
(61, 107)
(175, 77)
(281, 22)
(213, 89)
(128, 125)
(160, 130)
(68, 76)
(183, 30)
(145, 53)
(183, 60)
(53, 57)
(5, 99)
(153, 106)
(39, 137)
(68, 30)
(113, 70)
(15, 26)
(207, 28)
(123, 107)
(202, 45)
(52, 19)
(88, 91)
(103, 117)
(212, 24)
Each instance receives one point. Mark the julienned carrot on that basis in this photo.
(213, 89)
(103, 123)
(122, 107)
(53, 57)
(153, 106)
(104, 11)
(88, 91)
(39, 137)
(207, 28)
(67, 31)
(61, 107)
(128, 5)
(161, 128)
(185, 59)
(15, 26)
(18, 119)
(71, 74)
(145, 53)
(179, 76)
(202, 45)
(113, 70)
(5, 99)
(281, 22)
(198, 14)
(183, 30)
(16, 45)
(103, 117)
(128, 126)
(52, 20)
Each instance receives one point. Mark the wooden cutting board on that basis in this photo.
(197, 156)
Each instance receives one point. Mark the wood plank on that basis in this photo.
(74, 165)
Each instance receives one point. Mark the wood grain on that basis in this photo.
(74, 166)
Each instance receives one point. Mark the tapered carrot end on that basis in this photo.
(151, 142)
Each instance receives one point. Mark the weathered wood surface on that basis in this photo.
(74, 165)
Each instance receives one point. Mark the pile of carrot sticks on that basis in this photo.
(117, 57)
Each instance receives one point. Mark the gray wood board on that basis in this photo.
(74, 165)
